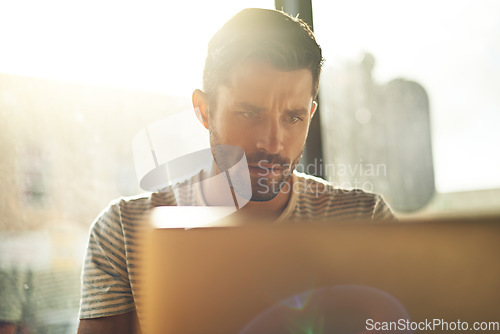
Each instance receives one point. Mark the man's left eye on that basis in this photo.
(294, 119)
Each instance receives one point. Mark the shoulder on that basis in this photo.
(309, 184)
(130, 211)
(315, 191)
(318, 198)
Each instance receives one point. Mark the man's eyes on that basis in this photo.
(251, 115)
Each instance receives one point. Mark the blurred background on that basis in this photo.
(409, 107)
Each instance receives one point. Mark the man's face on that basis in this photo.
(267, 113)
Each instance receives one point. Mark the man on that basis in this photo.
(260, 80)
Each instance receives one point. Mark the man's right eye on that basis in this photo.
(249, 114)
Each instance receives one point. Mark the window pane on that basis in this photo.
(449, 48)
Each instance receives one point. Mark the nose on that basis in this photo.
(270, 138)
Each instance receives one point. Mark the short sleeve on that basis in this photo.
(12, 295)
(106, 287)
(382, 211)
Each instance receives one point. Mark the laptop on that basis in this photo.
(309, 277)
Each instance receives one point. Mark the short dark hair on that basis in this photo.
(286, 42)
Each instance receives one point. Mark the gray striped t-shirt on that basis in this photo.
(109, 279)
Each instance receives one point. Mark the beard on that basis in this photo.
(270, 181)
(271, 172)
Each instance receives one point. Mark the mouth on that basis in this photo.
(266, 170)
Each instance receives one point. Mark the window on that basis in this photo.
(399, 75)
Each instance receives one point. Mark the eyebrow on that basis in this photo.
(250, 107)
(297, 112)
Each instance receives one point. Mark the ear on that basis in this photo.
(200, 105)
(314, 107)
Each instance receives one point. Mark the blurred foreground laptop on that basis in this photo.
(418, 277)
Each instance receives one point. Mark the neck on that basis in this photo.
(215, 194)
(269, 209)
